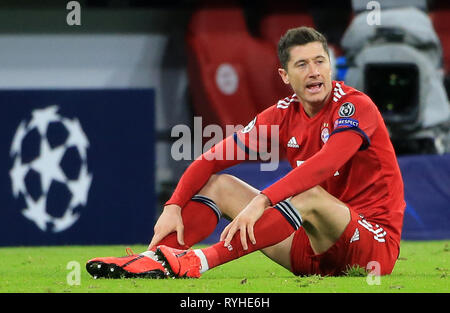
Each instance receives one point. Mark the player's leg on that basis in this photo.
(200, 217)
(229, 193)
(221, 195)
(324, 217)
(232, 195)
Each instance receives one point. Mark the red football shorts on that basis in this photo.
(362, 243)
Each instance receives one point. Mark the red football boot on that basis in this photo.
(179, 263)
(143, 265)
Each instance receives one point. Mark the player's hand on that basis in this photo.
(245, 221)
(169, 221)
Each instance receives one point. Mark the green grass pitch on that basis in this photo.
(422, 267)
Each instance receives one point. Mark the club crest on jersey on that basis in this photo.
(325, 134)
(346, 110)
(249, 127)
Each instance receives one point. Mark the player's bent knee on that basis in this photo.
(215, 185)
(211, 188)
(308, 201)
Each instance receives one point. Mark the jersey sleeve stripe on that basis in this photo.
(242, 145)
(284, 103)
(366, 143)
(253, 155)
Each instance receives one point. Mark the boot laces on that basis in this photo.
(129, 251)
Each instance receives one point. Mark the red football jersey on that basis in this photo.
(370, 182)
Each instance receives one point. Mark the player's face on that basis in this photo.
(309, 73)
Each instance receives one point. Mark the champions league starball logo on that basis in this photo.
(50, 171)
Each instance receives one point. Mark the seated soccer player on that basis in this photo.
(342, 204)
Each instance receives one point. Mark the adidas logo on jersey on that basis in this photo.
(355, 236)
(292, 143)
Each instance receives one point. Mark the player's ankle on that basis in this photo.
(204, 266)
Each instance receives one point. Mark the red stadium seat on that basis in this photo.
(273, 26)
(231, 73)
(441, 23)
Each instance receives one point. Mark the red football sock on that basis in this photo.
(270, 229)
(199, 222)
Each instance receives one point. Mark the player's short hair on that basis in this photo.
(297, 37)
